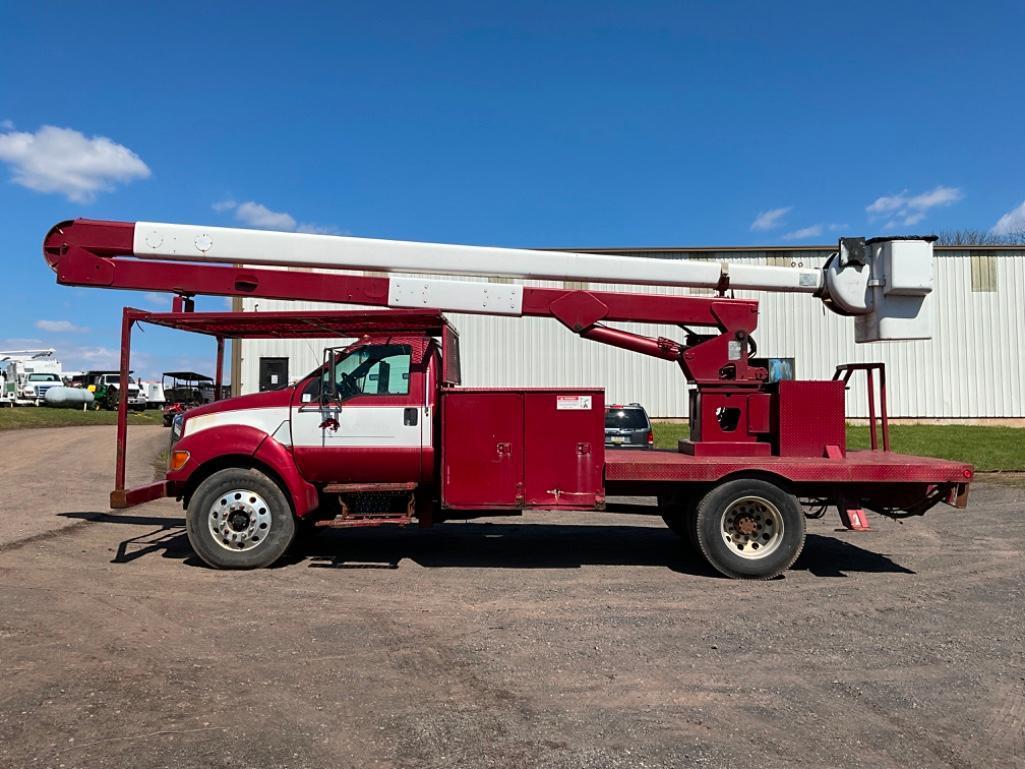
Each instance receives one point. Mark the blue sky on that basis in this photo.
(549, 124)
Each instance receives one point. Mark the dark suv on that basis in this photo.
(628, 427)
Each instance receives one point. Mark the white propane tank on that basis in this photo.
(67, 397)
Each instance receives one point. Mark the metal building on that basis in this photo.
(973, 368)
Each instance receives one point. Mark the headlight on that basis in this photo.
(177, 427)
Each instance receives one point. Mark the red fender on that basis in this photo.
(216, 443)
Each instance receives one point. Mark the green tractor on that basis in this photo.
(104, 385)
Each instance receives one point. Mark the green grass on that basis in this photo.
(988, 448)
(21, 417)
(667, 434)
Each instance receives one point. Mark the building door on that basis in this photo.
(273, 373)
(371, 427)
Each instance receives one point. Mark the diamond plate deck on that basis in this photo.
(856, 467)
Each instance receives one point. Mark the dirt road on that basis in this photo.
(546, 641)
(48, 471)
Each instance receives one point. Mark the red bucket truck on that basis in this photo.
(382, 432)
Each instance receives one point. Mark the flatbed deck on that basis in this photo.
(626, 466)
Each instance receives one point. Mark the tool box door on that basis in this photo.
(565, 448)
(482, 450)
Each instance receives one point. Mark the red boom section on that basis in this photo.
(99, 254)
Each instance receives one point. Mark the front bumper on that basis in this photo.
(124, 498)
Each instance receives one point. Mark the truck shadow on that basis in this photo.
(493, 545)
(168, 538)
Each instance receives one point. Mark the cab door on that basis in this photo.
(362, 419)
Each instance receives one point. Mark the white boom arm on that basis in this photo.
(883, 281)
(20, 356)
(260, 247)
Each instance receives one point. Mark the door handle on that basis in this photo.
(409, 416)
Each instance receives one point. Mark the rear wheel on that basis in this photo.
(239, 519)
(749, 529)
(679, 513)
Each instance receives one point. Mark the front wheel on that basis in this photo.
(749, 529)
(239, 519)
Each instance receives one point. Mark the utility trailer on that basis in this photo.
(382, 432)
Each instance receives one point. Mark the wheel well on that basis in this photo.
(695, 490)
(759, 475)
(227, 461)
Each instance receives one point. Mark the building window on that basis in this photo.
(575, 285)
(984, 273)
(499, 279)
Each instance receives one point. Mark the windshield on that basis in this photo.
(43, 378)
(626, 419)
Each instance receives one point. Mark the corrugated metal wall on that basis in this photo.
(974, 367)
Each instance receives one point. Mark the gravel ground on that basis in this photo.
(578, 640)
(48, 471)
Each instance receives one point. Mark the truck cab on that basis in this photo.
(36, 385)
(381, 432)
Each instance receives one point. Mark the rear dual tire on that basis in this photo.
(749, 529)
(678, 512)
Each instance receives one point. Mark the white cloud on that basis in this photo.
(157, 299)
(812, 231)
(91, 358)
(1011, 222)
(258, 216)
(65, 161)
(21, 343)
(907, 210)
(60, 327)
(768, 220)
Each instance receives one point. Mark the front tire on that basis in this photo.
(239, 519)
(749, 529)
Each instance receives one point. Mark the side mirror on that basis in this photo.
(328, 383)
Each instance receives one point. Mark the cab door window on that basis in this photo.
(377, 369)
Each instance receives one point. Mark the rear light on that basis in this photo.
(178, 460)
(651, 437)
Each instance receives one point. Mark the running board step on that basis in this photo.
(346, 523)
(363, 488)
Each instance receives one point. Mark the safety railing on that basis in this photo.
(845, 371)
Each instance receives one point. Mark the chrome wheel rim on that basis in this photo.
(239, 520)
(752, 527)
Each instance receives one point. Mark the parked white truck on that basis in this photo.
(26, 376)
